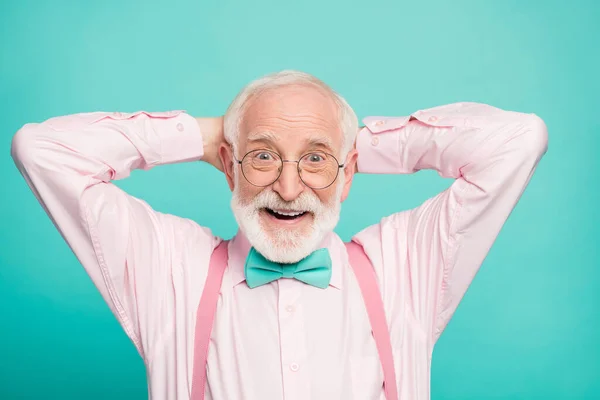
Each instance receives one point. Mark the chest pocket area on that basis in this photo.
(367, 378)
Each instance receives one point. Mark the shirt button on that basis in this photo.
(180, 127)
(432, 119)
(379, 123)
(375, 141)
(294, 367)
(289, 309)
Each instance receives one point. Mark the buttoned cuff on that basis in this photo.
(378, 153)
(180, 137)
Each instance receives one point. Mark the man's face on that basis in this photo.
(287, 220)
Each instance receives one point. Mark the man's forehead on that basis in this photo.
(323, 139)
(293, 108)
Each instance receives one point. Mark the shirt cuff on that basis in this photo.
(180, 138)
(378, 153)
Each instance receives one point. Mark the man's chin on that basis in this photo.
(284, 253)
(285, 246)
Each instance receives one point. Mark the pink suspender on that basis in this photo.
(365, 274)
(363, 269)
(205, 317)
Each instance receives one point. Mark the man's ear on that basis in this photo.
(350, 168)
(228, 162)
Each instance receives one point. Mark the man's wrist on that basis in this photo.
(211, 129)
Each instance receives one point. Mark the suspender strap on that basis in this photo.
(205, 318)
(367, 281)
(365, 275)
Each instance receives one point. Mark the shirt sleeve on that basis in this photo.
(124, 245)
(427, 257)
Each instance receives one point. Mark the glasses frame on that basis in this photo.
(337, 173)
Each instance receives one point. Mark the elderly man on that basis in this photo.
(284, 310)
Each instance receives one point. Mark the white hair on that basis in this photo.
(235, 113)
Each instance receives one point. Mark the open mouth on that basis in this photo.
(286, 215)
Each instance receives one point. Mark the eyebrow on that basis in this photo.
(313, 141)
(320, 140)
(265, 136)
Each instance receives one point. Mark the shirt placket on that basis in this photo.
(294, 363)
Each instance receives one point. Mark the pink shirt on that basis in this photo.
(284, 339)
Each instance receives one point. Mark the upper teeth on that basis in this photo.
(289, 213)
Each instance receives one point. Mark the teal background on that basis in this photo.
(529, 326)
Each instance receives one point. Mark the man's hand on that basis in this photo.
(212, 136)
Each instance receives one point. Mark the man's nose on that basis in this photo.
(289, 185)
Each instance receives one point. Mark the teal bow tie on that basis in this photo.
(314, 269)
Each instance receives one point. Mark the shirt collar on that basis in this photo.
(239, 247)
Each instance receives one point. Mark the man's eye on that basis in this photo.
(315, 158)
(264, 156)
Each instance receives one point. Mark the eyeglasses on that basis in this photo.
(317, 169)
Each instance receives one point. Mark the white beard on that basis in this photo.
(286, 245)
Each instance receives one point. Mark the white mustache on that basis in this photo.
(305, 202)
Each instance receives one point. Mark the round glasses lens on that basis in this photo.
(261, 167)
(318, 170)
